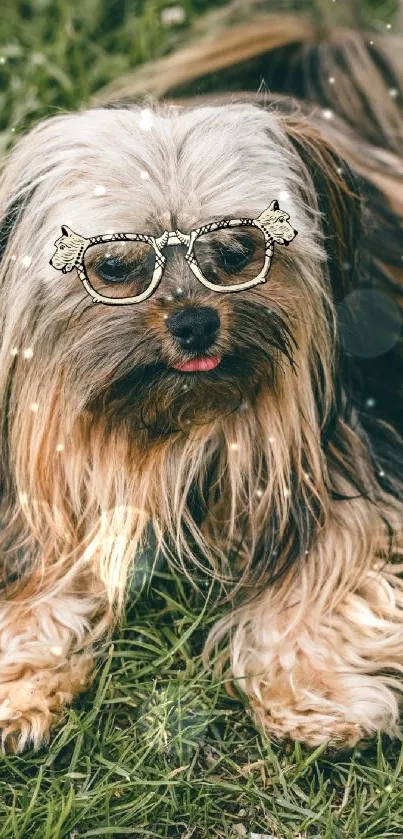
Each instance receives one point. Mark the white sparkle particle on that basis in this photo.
(26, 261)
(259, 493)
(234, 447)
(332, 79)
(307, 476)
(371, 43)
(23, 497)
(99, 190)
(2, 59)
(28, 353)
(283, 195)
(144, 175)
(286, 493)
(185, 387)
(339, 170)
(34, 407)
(59, 447)
(37, 58)
(179, 290)
(56, 650)
(393, 92)
(165, 317)
(14, 351)
(381, 473)
(173, 16)
(370, 403)
(388, 26)
(271, 439)
(146, 119)
(327, 113)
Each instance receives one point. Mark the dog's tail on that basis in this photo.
(356, 75)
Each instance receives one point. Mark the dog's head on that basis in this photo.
(108, 171)
(244, 377)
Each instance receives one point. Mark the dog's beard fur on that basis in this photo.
(239, 472)
(150, 397)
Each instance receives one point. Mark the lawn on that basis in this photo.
(158, 748)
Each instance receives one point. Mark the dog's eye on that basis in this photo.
(237, 252)
(122, 270)
(119, 270)
(236, 255)
(114, 270)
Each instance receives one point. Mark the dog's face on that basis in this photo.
(187, 355)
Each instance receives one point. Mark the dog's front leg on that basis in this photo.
(44, 663)
(323, 665)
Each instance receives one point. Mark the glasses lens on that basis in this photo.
(231, 256)
(120, 269)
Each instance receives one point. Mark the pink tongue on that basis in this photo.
(198, 364)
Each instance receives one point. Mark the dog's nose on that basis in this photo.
(194, 328)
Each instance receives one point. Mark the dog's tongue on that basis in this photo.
(198, 364)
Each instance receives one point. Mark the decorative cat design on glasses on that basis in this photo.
(226, 256)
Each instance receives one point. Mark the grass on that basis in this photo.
(157, 748)
(54, 54)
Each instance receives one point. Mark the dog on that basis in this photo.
(263, 467)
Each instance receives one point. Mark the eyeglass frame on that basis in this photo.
(81, 244)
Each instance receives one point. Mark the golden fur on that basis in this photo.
(298, 520)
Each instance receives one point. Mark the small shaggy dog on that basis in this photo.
(232, 422)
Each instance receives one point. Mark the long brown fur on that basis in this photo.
(277, 480)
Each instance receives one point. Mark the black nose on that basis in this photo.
(194, 328)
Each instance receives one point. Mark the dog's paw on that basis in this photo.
(337, 734)
(313, 731)
(316, 730)
(30, 705)
(338, 726)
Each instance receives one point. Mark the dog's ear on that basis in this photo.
(337, 195)
(274, 205)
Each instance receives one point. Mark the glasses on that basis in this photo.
(225, 256)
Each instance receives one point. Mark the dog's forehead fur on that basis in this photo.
(144, 170)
